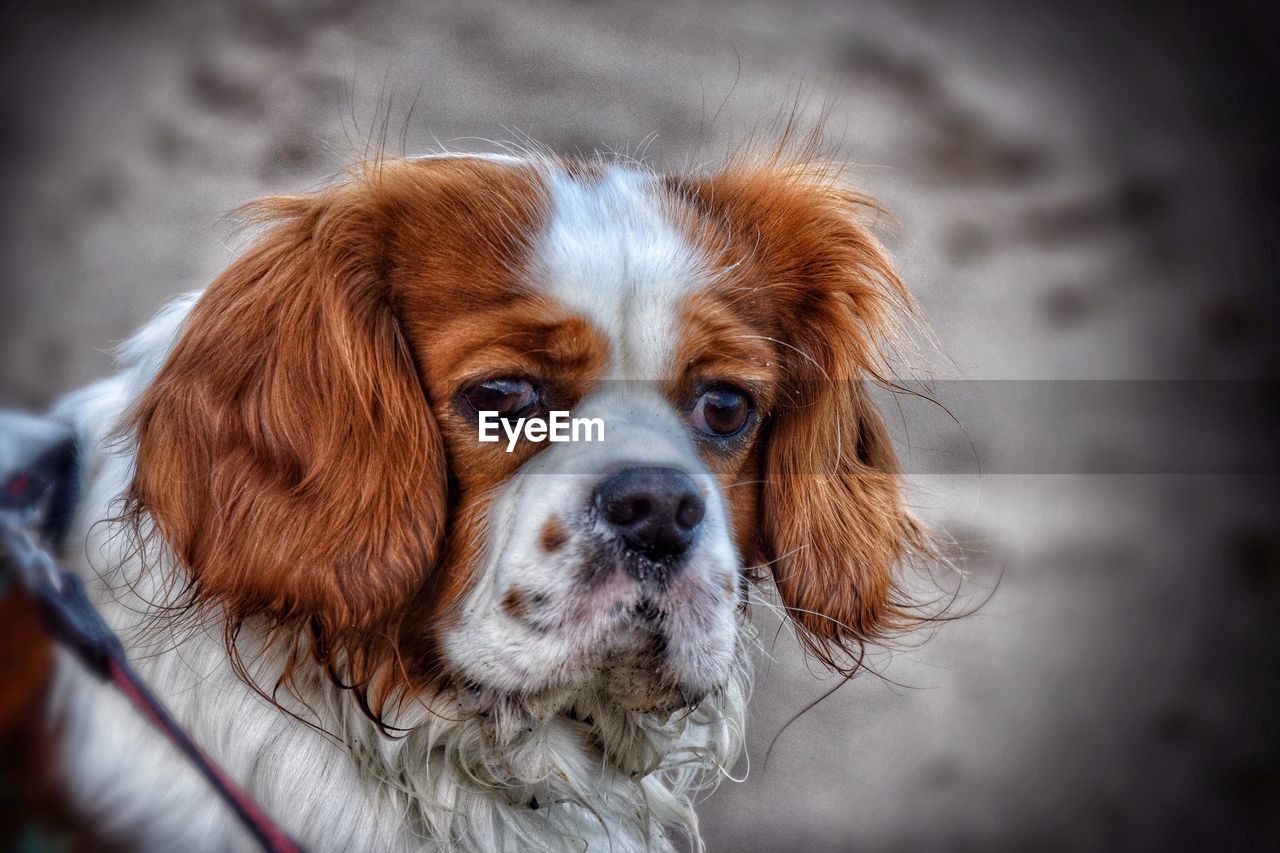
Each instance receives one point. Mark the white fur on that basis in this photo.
(611, 254)
(456, 779)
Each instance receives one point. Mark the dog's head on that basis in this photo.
(311, 450)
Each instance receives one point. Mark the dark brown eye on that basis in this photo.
(722, 411)
(508, 397)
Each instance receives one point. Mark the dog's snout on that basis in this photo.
(655, 511)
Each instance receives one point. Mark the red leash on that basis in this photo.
(72, 619)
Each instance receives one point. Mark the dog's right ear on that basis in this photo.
(286, 451)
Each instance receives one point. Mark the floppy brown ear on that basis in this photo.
(833, 528)
(285, 450)
(834, 525)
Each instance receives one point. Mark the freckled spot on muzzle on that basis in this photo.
(554, 535)
(515, 604)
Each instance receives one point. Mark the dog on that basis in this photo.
(395, 635)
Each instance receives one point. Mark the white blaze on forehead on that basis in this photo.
(612, 253)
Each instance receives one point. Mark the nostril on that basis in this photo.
(636, 509)
(689, 513)
(624, 509)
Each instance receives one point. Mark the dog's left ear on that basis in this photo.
(833, 528)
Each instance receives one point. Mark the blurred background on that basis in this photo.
(1084, 197)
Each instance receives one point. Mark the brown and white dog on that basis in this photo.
(397, 636)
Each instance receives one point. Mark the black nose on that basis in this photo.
(655, 511)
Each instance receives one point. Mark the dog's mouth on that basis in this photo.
(631, 673)
(614, 638)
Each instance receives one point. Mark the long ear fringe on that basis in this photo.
(280, 448)
(905, 612)
(838, 539)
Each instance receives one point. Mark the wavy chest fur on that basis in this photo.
(460, 774)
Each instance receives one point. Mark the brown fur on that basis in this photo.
(288, 451)
(829, 518)
(554, 536)
(33, 803)
(303, 450)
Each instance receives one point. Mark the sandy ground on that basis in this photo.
(1077, 193)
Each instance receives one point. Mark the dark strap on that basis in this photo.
(37, 497)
